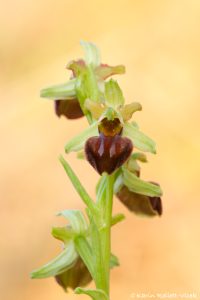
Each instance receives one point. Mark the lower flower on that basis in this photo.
(69, 108)
(77, 276)
(140, 204)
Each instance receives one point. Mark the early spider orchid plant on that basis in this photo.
(109, 144)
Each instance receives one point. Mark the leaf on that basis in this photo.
(78, 142)
(92, 53)
(94, 294)
(61, 263)
(76, 220)
(139, 186)
(117, 218)
(84, 250)
(113, 94)
(139, 139)
(114, 261)
(78, 186)
(60, 92)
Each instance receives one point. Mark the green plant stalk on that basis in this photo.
(105, 233)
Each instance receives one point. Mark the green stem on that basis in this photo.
(105, 233)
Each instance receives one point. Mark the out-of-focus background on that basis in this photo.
(159, 42)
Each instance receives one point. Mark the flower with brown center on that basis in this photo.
(109, 150)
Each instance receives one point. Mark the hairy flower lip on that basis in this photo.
(69, 108)
(77, 275)
(107, 153)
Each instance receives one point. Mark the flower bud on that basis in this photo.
(69, 108)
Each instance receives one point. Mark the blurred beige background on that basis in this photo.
(159, 42)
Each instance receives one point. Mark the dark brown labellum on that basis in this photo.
(140, 204)
(107, 153)
(76, 276)
(69, 108)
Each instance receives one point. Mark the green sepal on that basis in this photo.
(58, 265)
(113, 94)
(77, 143)
(63, 91)
(76, 220)
(139, 139)
(94, 294)
(135, 184)
(92, 53)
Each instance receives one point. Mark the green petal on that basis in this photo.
(113, 94)
(60, 264)
(94, 294)
(104, 71)
(139, 156)
(139, 139)
(92, 53)
(78, 142)
(64, 234)
(128, 110)
(139, 186)
(60, 92)
(76, 220)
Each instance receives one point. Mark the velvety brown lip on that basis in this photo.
(69, 108)
(107, 153)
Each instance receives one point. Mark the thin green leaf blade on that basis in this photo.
(78, 186)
